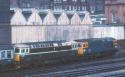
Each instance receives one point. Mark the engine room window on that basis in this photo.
(47, 45)
(27, 50)
(34, 46)
(44, 45)
(41, 45)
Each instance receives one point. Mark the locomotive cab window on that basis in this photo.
(17, 50)
(79, 45)
(22, 50)
(85, 45)
(74, 45)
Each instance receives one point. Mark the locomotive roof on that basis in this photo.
(27, 45)
(21, 45)
(49, 42)
(45, 42)
(94, 39)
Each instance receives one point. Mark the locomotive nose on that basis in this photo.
(81, 49)
(115, 43)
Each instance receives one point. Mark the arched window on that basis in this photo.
(114, 16)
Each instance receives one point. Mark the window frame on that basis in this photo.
(3, 54)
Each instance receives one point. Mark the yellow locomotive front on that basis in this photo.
(20, 52)
(82, 48)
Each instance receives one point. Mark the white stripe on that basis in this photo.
(48, 52)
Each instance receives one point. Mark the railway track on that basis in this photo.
(45, 71)
(118, 73)
(84, 68)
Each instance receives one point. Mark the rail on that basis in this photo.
(87, 68)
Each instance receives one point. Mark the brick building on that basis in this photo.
(115, 11)
(93, 6)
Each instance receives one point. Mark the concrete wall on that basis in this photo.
(66, 32)
(23, 34)
(115, 32)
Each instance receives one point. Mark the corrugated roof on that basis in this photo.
(87, 19)
(75, 20)
(35, 18)
(94, 39)
(18, 18)
(63, 19)
(49, 19)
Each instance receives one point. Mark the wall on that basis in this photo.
(113, 31)
(23, 34)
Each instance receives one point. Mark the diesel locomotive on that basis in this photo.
(38, 53)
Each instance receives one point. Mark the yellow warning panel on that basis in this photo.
(80, 51)
(17, 57)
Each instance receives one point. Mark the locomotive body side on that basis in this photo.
(45, 53)
(99, 47)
